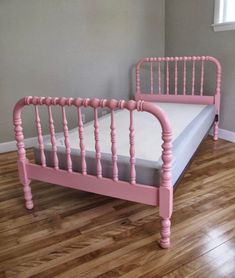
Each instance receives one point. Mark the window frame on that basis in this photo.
(221, 26)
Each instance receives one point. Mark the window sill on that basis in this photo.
(225, 26)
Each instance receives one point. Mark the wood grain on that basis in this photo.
(77, 234)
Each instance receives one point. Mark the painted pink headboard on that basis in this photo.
(178, 79)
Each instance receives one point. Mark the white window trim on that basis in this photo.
(221, 26)
(225, 26)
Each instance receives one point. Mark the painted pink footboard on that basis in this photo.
(161, 196)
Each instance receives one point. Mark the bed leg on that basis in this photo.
(165, 210)
(165, 233)
(28, 195)
(22, 159)
(216, 130)
(26, 184)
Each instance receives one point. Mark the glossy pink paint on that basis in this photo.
(113, 146)
(176, 77)
(66, 139)
(40, 137)
(159, 78)
(81, 141)
(132, 149)
(162, 195)
(22, 160)
(110, 187)
(187, 95)
(53, 139)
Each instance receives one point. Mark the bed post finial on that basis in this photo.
(22, 160)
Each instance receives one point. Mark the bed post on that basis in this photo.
(217, 96)
(166, 190)
(22, 160)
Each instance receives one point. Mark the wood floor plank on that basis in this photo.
(76, 234)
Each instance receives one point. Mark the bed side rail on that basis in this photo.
(178, 79)
(112, 105)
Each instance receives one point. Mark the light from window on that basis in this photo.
(227, 11)
(224, 17)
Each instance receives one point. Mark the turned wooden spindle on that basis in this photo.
(97, 144)
(184, 77)
(66, 139)
(193, 77)
(151, 78)
(202, 78)
(114, 147)
(159, 78)
(167, 77)
(132, 148)
(138, 89)
(40, 137)
(53, 138)
(176, 77)
(81, 140)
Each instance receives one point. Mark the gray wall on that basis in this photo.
(83, 48)
(188, 32)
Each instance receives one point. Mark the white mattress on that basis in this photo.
(187, 120)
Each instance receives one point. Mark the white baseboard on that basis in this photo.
(30, 142)
(227, 135)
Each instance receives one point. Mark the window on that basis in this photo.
(224, 15)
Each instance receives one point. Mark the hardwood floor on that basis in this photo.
(76, 234)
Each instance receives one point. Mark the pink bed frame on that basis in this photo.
(162, 195)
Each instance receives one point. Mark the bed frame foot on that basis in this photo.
(165, 233)
(22, 167)
(216, 131)
(28, 195)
